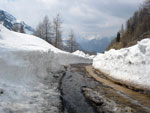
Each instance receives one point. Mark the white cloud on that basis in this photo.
(85, 17)
(76, 11)
(131, 1)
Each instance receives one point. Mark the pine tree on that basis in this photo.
(118, 37)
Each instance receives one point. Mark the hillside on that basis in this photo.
(137, 28)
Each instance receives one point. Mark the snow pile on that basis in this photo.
(131, 64)
(82, 54)
(92, 56)
(27, 68)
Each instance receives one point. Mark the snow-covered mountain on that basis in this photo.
(95, 45)
(9, 20)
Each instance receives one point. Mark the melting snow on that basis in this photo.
(82, 54)
(129, 64)
(27, 68)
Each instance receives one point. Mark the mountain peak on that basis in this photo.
(9, 21)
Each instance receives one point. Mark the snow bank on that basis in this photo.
(131, 64)
(26, 62)
(26, 56)
(82, 54)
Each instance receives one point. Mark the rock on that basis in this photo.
(104, 104)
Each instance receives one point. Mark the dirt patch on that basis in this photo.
(120, 94)
(132, 86)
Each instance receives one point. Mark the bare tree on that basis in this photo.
(18, 28)
(122, 30)
(39, 31)
(146, 5)
(44, 30)
(22, 29)
(71, 43)
(57, 32)
(15, 28)
(47, 29)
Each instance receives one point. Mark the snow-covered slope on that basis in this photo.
(131, 64)
(22, 53)
(82, 54)
(8, 21)
(25, 62)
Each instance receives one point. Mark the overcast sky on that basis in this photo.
(88, 18)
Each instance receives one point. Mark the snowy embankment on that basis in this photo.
(130, 65)
(27, 68)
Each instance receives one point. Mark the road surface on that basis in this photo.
(85, 91)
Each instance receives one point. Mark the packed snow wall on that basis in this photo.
(23, 57)
(131, 65)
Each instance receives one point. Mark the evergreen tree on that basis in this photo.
(118, 37)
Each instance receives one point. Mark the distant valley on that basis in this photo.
(96, 45)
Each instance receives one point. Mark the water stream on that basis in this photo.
(71, 87)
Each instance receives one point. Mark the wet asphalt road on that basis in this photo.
(75, 78)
